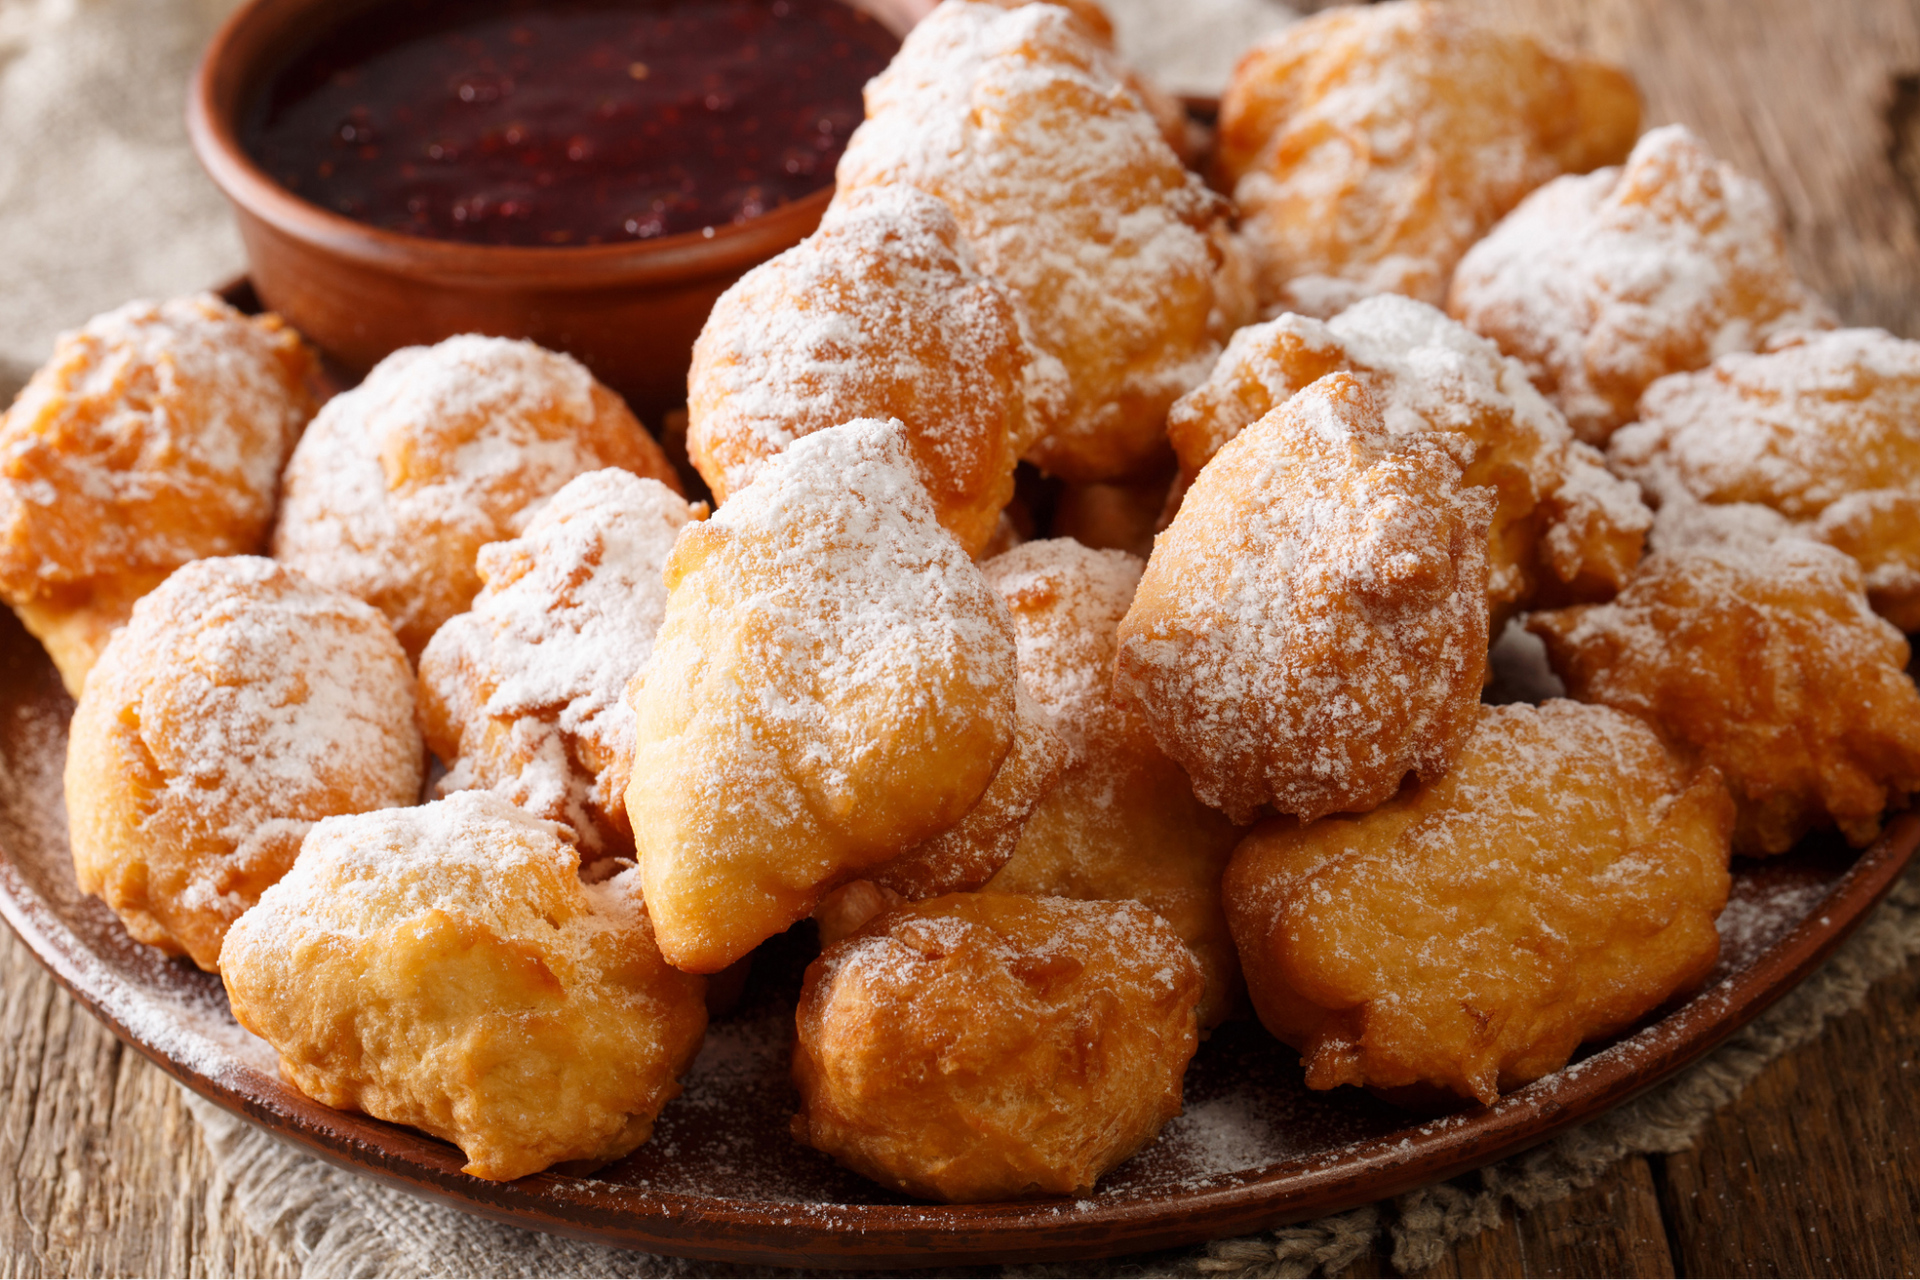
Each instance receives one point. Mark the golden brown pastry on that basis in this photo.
(1602, 283)
(1565, 529)
(398, 483)
(1462, 940)
(154, 436)
(1824, 428)
(1757, 651)
(1123, 821)
(522, 694)
(1181, 134)
(239, 705)
(1368, 147)
(968, 854)
(1313, 625)
(444, 967)
(991, 1046)
(879, 314)
(1120, 258)
(834, 683)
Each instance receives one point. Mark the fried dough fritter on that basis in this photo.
(444, 967)
(1180, 133)
(1313, 625)
(1464, 938)
(968, 854)
(1120, 259)
(1369, 147)
(1764, 657)
(1602, 283)
(1823, 427)
(154, 436)
(1564, 528)
(834, 683)
(992, 1046)
(239, 705)
(1123, 823)
(522, 694)
(879, 314)
(398, 483)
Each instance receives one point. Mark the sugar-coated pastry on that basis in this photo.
(1757, 650)
(1565, 529)
(154, 436)
(1824, 428)
(1021, 121)
(1602, 283)
(969, 853)
(879, 314)
(834, 683)
(444, 967)
(522, 694)
(992, 1046)
(239, 705)
(1369, 146)
(1313, 624)
(1123, 821)
(1179, 131)
(398, 483)
(1461, 940)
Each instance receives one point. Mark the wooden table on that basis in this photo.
(1816, 1170)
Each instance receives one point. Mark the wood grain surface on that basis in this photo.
(1813, 1171)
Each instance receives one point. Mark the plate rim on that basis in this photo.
(715, 1228)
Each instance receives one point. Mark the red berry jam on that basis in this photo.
(573, 123)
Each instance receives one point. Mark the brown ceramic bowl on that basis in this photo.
(629, 311)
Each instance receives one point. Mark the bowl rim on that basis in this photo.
(219, 86)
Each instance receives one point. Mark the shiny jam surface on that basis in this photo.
(573, 123)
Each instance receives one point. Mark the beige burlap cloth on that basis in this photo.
(101, 201)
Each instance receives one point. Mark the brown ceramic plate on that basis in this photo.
(721, 1178)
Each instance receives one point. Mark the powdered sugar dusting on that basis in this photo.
(400, 481)
(1605, 282)
(523, 693)
(455, 855)
(1313, 624)
(1820, 428)
(1059, 176)
(154, 436)
(881, 313)
(1797, 428)
(1370, 146)
(846, 507)
(1429, 375)
(1070, 599)
(833, 684)
(247, 703)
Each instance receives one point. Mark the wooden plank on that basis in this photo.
(1493, 1252)
(105, 1173)
(1612, 1228)
(1817, 100)
(1813, 1170)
